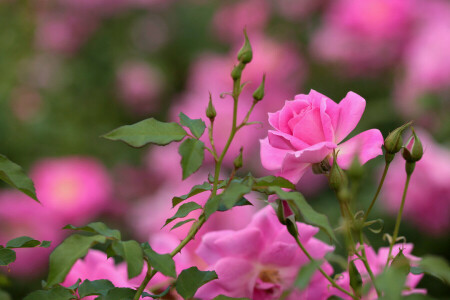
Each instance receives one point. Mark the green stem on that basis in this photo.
(380, 185)
(366, 263)
(399, 219)
(144, 283)
(333, 283)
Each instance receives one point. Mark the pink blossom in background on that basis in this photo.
(364, 35)
(139, 85)
(230, 19)
(261, 260)
(74, 189)
(377, 261)
(164, 163)
(210, 73)
(22, 216)
(427, 204)
(296, 10)
(308, 129)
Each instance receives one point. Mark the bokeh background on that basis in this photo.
(72, 70)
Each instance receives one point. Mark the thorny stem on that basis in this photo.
(399, 219)
(198, 224)
(333, 283)
(383, 177)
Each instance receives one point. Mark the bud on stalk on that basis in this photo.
(210, 110)
(413, 151)
(393, 143)
(245, 55)
(258, 95)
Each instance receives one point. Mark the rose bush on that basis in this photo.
(310, 127)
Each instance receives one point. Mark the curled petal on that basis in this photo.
(351, 109)
(366, 145)
(236, 276)
(271, 158)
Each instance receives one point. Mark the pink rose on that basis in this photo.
(310, 127)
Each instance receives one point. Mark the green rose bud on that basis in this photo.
(237, 71)
(337, 178)
(210, 110)
(413, 151)
(401, 263)
(238, 160)
(258, 95)
(393, 143)
(245, 55)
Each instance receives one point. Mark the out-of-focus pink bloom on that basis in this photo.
(285, 71)
(427, 202)
(139, 86)
(22, 216)
(364, 35)
(261, 260)
(63, 33)
(310, 127)
(164, 163)
(427, 63)
(296, 10)
(377, 261)
(73, 188)
(230, 19)
(96, 265)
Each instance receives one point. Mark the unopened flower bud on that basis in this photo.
(413, 151)
(245, 55)
(238, 160)
(210, 110)
(237, 71)
(393, 143)
(258, 95)
(401, 263)
(337, 178)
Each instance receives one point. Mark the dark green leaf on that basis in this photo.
(132, 254)
(183, 211)
(196, 126)
(303, 210)
(96, 287)
(73, 287)
(46, 244)
(196, 189)
(22, 242)
(147, 131)
(161, 262)
(13, 175)
(119, 294)
(273, 181)
(305, 274)
(97, 227)
(190, 280)
(192, 154)
(181, 223)
(211, 206)
(67, 253)
(165, 292)
(241, 202)
(355, 279)
(7, 256)
(436, 266)
(56, 293)
(233, 194)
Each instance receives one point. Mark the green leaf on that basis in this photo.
(303, 210)
(273, 181)
(436, 266)
(222, 297)
(183, 211)
(192, 154)
(97, 227)
(67, 253)
(147, 131)
(161, 262)
(241, 202)
(305, 274)
(233, 194)
(56, 293)
(391, 282)
(181, 223)
(23, 242)
(7, 256)
(4, 295)
(46, 244)
(119, 294)
(96, 287)
(14, 175)
(165, 292)
(355, 279)
(196, 189)
(132, 253)
(211, 206)
(190, 280)
(196, 126)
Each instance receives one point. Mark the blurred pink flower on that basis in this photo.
(262, 260)
(76, 189)
(364, 35)
(308, 128)
(427, 202)
(230, 20)
(139, 86)
(377, 261)
(22, 216)
(296, 10)
(285, 72)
